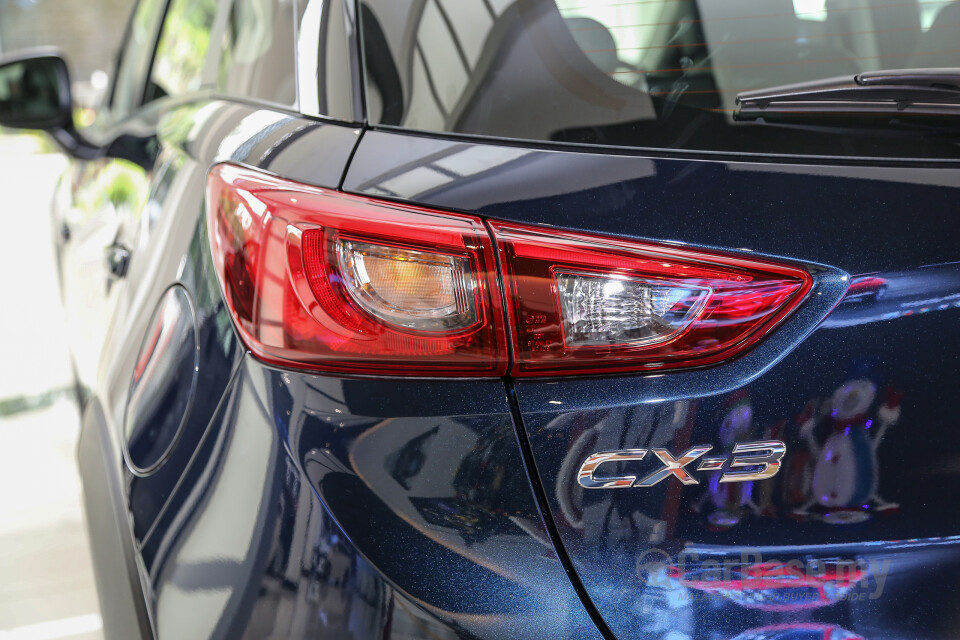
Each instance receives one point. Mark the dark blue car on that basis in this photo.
(517, 318)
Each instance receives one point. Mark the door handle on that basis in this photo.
(117, 260)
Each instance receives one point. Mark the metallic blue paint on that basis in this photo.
(297, 505)
(850, 487)
(863, 217)
(164, 383)
(882, 490)
(425, 521)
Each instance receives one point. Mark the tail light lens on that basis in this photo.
(328, 281)
(586, 304)
(415, 289)
(323, 280)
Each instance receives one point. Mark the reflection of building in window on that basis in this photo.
(646, 73)
(516, 65)
(448, 47)
(634, 29)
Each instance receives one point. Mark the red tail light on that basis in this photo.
(586, 304)
(327, 281)
(323, 280)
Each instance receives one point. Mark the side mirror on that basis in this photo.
(35, 94)
(35, 91)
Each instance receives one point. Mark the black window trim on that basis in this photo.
(350, 33)
(145, 77)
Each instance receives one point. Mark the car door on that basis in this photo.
(613, 125)
(98, 204)
(221, 86)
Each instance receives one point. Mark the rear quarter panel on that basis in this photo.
(864, 403)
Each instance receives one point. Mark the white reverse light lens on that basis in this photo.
(603, 310)
(413, 289)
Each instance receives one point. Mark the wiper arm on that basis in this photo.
(913, 92)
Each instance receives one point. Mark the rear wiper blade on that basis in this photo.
(910, 92)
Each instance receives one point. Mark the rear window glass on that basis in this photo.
(649, 73)
(257, 59)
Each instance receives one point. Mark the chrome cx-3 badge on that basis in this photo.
(761, 459)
